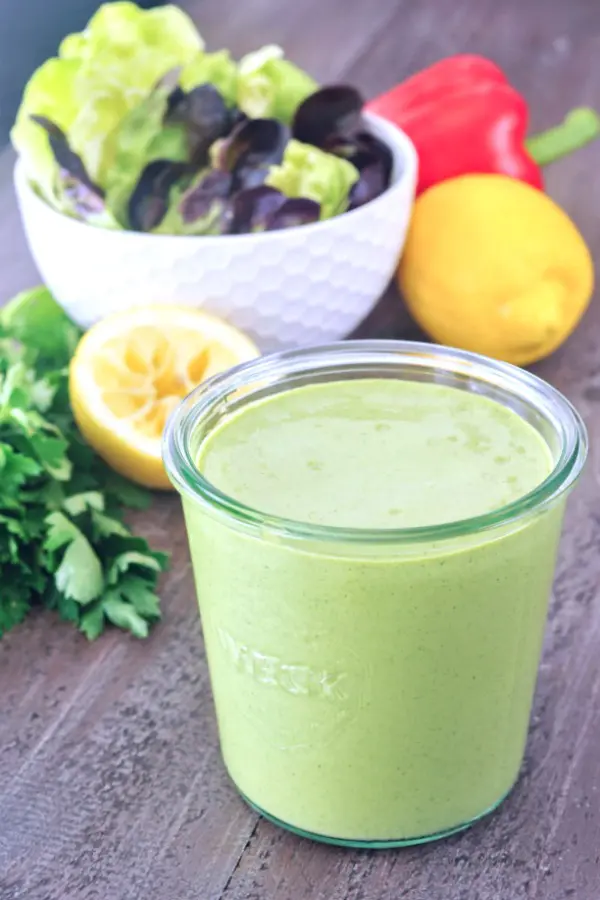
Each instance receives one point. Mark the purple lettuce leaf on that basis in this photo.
(204, 207)
(328, 115)
(252, 208)
(251, 149)
(205, 117)
(149, 200)
(295, 211)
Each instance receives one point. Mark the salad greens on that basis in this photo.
(168, 126)
(270, 86)
(309, 172)
(135, 126)
(63, 543)
(124, 34)
(217, 69)
(99, 76)
(200, 209)
(81, 198)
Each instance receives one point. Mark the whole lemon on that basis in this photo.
(494, 266)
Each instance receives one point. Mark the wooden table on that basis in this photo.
(111, 785)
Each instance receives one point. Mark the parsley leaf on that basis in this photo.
(136, 591)
(61, 531)
(78, 503)
(14, 606)
(63, 542)
(92, 621)
(79, 575)
(124, 615)
(124, 561)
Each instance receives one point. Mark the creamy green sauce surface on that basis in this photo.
(375, 453)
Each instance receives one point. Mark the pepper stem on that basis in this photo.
(579, 127)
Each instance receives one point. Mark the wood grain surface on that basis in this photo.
(111, 786)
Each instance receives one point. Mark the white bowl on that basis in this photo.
(289, 288)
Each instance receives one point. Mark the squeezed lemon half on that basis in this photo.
(131, 370)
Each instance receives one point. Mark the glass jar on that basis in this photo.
(373, 688)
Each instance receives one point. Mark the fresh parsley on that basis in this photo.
(63, 542)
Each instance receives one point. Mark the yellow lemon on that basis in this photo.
(131, 370)
(494, 266)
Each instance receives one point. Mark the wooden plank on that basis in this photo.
(16, 265)
(109, 755)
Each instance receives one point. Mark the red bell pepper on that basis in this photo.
(464, 117)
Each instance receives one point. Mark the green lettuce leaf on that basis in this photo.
(141, 138)
(217, 69)
(50, 92)
(270, 86)
(309, 172)
(124, 28)
(99, 75)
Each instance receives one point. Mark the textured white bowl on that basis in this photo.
(290, 288)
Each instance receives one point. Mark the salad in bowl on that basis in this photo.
(151, 170)
(135, 126)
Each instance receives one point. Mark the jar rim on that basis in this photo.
(341, 359)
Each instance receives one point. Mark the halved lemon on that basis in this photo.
(130, 371)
